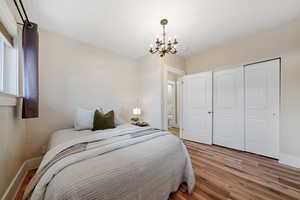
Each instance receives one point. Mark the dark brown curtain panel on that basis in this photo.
(30, 44)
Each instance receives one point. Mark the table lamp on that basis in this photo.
(136, 112)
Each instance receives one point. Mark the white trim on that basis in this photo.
(8, 99)
(290, 160)
(171, 82)
(175, 70)
(179, 104)
(15, 184)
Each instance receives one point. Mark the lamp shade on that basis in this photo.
(136, 111)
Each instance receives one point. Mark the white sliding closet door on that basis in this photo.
(229, 108)
(197, 108)
(262, 108)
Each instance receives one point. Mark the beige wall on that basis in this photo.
(150, 74)
(283, 41)
(272, 43)
(76, 74)
(175, 61)
(151, 80)
(12, 146)
(290, 104)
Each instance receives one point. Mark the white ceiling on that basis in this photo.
(129, 26)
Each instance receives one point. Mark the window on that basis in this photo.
(9, 62)
(8, 68)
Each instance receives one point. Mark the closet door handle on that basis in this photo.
(209, 112)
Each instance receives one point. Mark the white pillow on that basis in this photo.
(84, 118)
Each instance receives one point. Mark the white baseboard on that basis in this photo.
(12, 189)
(290, 160)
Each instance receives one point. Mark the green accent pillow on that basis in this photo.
(103, 121)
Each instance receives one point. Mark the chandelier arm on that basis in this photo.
(153, 51)
(174, 52)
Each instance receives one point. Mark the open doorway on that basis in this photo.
(173, 104)
(173, 100)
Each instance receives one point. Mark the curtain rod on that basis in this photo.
(24, 19)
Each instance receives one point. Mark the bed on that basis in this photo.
(124, 163)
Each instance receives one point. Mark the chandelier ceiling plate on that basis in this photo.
(164, 22)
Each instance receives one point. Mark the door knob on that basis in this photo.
(209, 112)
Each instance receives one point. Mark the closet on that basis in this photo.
(236, 107)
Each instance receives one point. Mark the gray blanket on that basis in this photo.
(71, 158)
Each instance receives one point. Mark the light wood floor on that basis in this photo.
(227, 174)
(174, 131)
(223, 173)
(26, 181)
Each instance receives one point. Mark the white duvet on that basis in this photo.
(116, 167)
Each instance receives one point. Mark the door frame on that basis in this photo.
(174, 94)
(169, 69)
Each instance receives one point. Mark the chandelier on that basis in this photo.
(161, 46)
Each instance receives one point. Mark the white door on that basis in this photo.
(228, 100)
(262, 108)
(197, 108)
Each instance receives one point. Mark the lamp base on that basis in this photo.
(135, 119)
